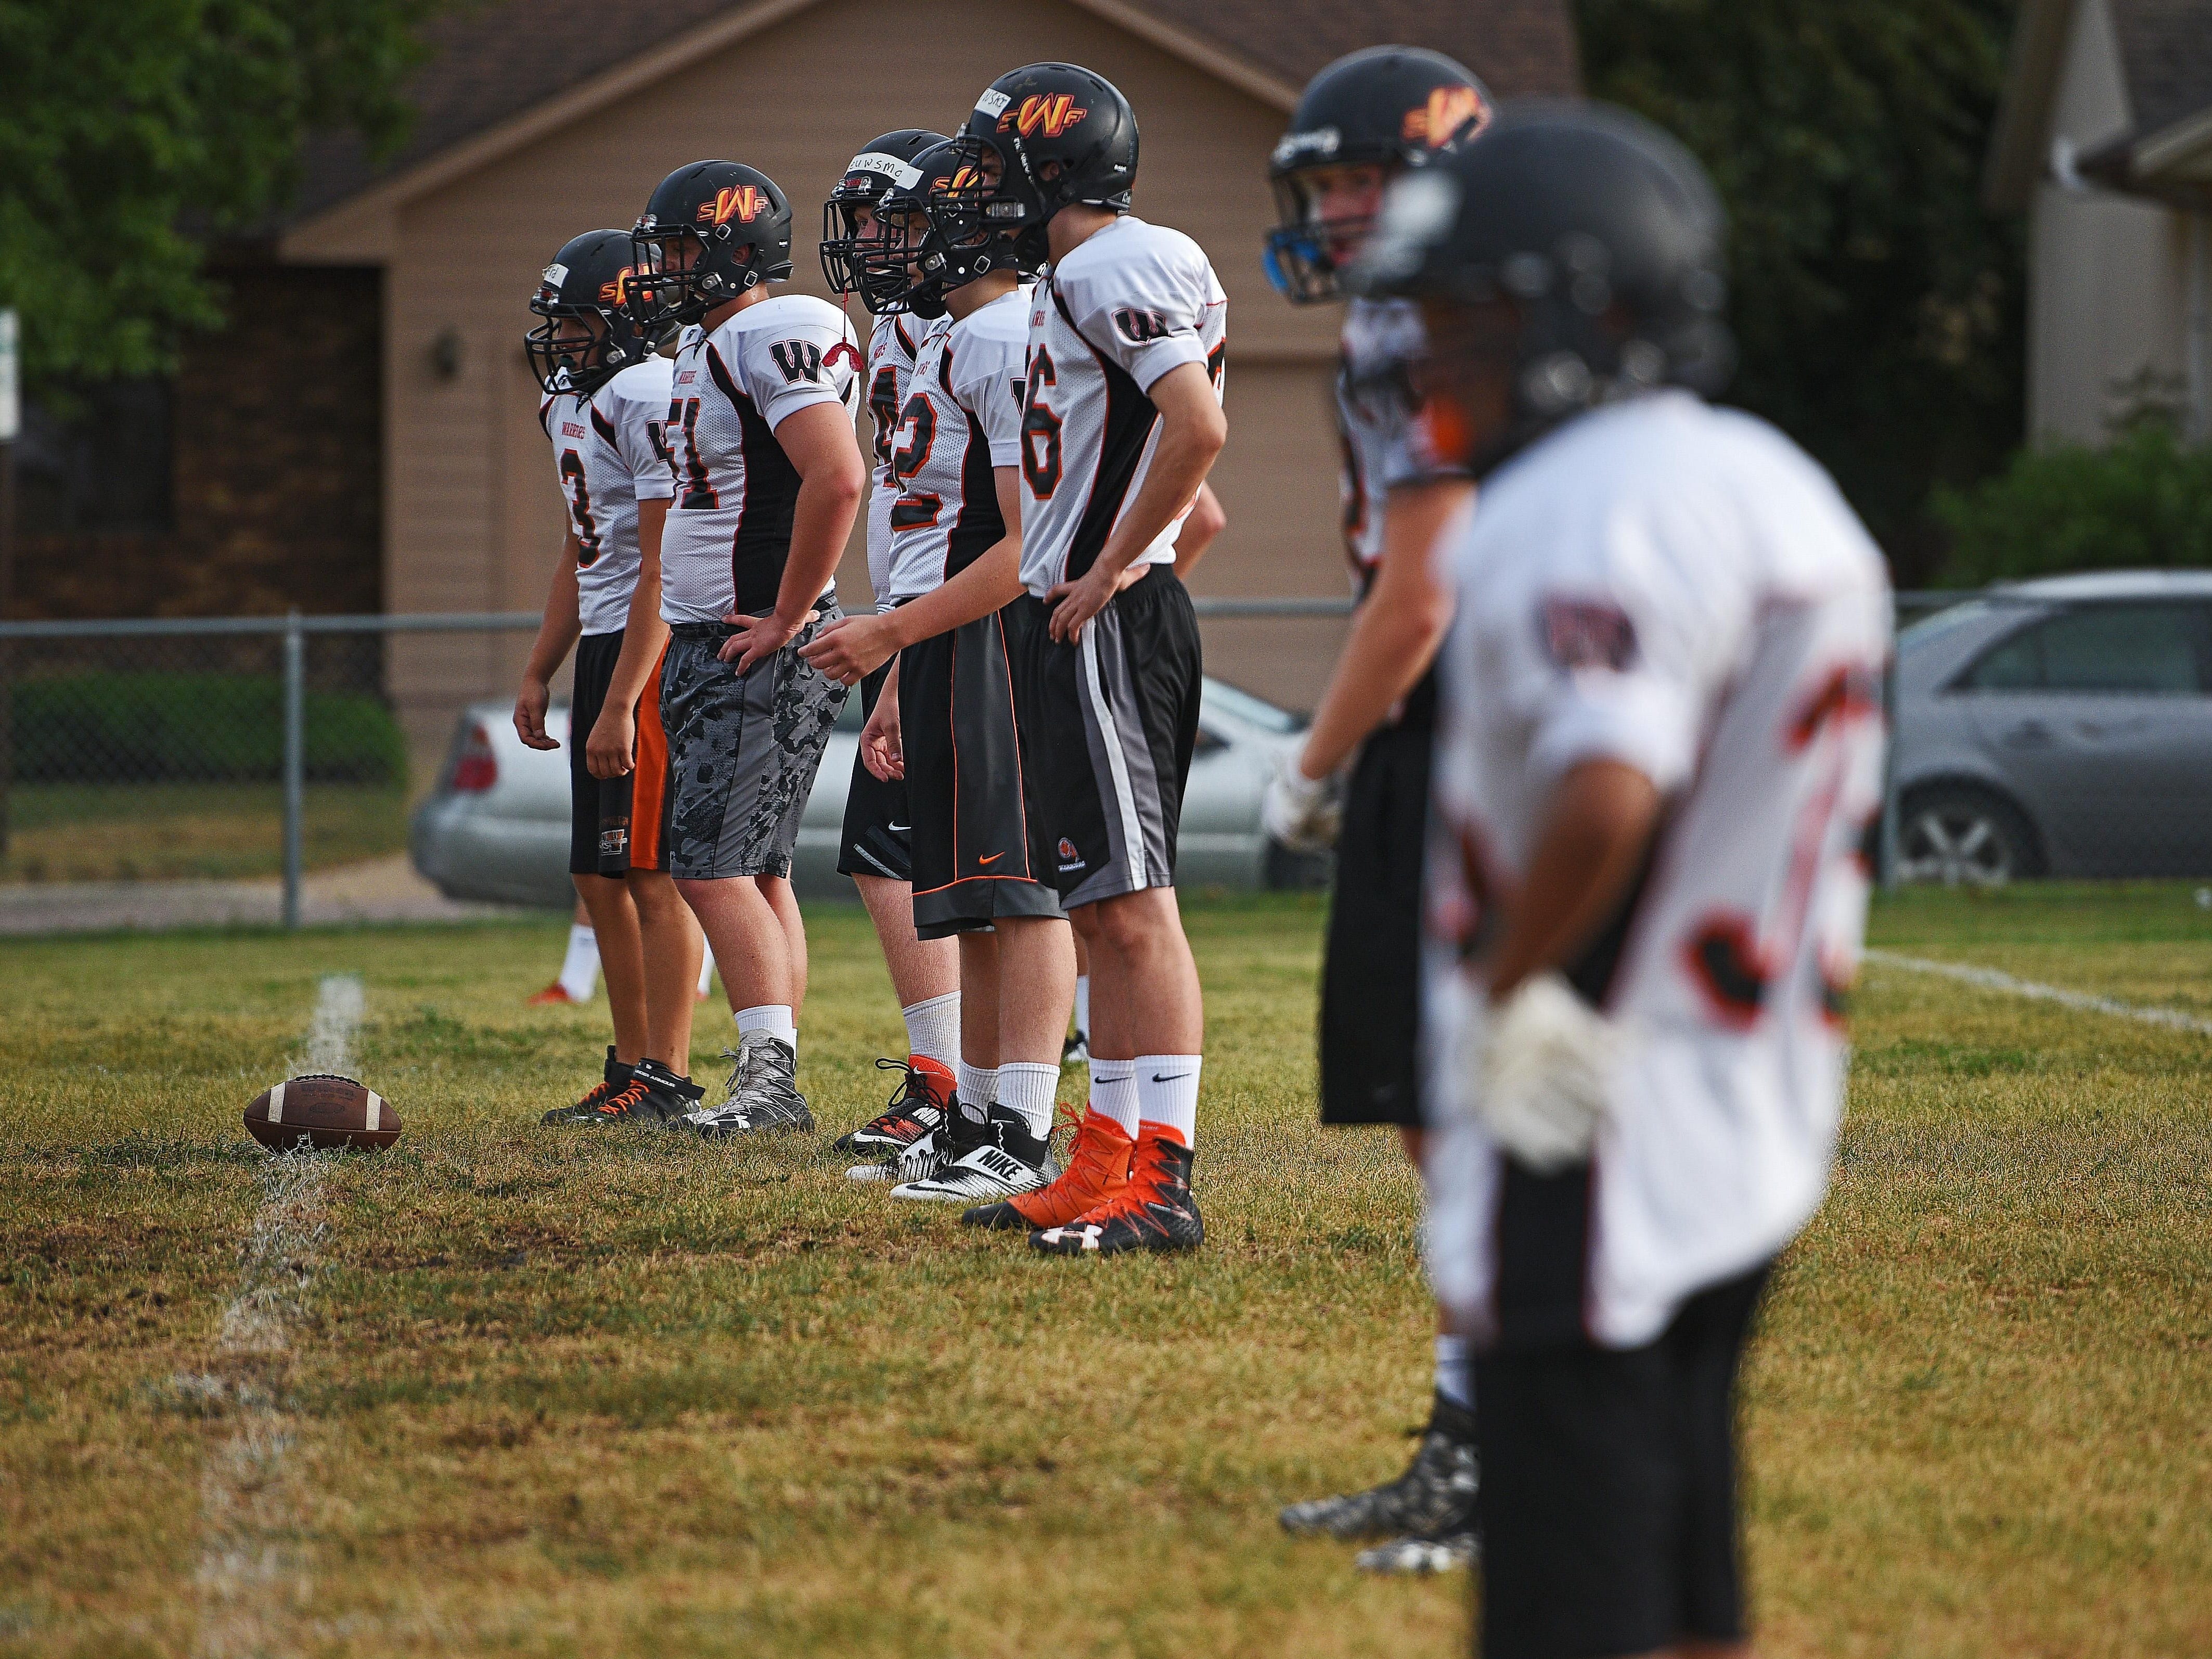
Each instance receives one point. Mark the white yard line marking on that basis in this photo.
(253, 1580)
(1989, 979)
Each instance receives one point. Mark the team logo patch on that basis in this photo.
(799, 360)
(743, 202)
(1585, 634)
(571, 429)
(1050, 113)
(1438, 121)
(1141, 327)
(614, 844)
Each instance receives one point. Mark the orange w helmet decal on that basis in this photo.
(1054, 112)
(741, 202)
(1438, 122)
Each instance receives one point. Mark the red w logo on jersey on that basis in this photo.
(742, 202)
(1053, 112)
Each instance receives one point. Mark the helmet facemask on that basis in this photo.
(580, 345)
(1326, 212)
(988, 206)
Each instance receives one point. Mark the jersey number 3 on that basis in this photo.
(1041, 459)
(579, 509)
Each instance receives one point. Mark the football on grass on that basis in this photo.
(322, 1111)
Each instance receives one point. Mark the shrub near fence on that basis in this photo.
(144, 727)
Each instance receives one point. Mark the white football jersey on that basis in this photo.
(1385, 443)
(1133, 302)
(963, 418)
(729, 531)
(891, 347)
(1679, 588)
(608, 455)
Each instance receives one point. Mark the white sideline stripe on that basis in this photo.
(1990, 979)
(253, 1581)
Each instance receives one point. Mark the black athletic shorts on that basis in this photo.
(1371, 987)
(1108, 724)
(1609, 1496)
(615, 824)
(979, 852)
(877, 826)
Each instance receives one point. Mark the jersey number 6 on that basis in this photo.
(1040, 430)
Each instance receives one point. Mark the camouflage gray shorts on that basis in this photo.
(742, 753)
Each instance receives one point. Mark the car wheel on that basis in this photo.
(1964, 837)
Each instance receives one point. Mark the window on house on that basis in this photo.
(103, 464)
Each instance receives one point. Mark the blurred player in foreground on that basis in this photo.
(1364, 121)
(1660, 743)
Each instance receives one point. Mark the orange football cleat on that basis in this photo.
(1097, 1170)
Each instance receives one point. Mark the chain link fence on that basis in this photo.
(2034, 736)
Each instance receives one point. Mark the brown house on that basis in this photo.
(541, 118)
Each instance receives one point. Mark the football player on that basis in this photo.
(1122, 419)
(768, 480)
(1362, 121)
(983, 871)
(1659, 748)
(875, 849)
(607, 396)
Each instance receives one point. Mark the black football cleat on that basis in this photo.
(616, 1079)
(653, 1094)
(1155, 1212)
(1433, 1499)
(916, 1106)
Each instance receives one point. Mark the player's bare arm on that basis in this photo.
(819, 441)
(1192, 431)
(1397, 630)
(610, 748)
(1596, 829)
(1206, 522)
(556, 635)
(852, 649)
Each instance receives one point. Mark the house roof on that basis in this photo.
(2166, 68)
(493, 64)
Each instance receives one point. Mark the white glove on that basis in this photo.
(1302, 813)
(1534, 1071)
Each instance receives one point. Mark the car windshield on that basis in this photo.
(1929, 630)
(1243, 707)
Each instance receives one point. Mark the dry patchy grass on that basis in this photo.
(566, 1393)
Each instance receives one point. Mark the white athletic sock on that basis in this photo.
(706, 970)
(1166, 1093)
(1083, 1006)
(1027, 1087)
(1113, 1092)
(1454, 1381)
(978, 1084)
(773, 1018)
(932, 1029)
(580, 973)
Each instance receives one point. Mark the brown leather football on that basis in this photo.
(323, 1110)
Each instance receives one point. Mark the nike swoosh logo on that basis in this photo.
(994, 859)
(898, 828)
(1156, 1078)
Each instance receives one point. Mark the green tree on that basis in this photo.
(132, 131)
(1877, 307)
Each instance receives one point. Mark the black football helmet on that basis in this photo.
(710, 231)
(867, 176)
(589, 279)
(1041, 138)
(913, 265)
(1395, 107)
(1602, 232)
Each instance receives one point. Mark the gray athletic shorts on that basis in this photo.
(742, 753)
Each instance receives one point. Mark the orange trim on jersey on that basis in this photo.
(649, 792)
(923, 892)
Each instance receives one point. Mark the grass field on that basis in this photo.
(539, 1393)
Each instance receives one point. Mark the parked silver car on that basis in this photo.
(2059, 727)
(497, 827)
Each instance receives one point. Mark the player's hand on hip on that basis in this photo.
(1076, 603)
(1302, 813)
(609, 752)
(529, 715)
(757, 637)
(851, 648)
